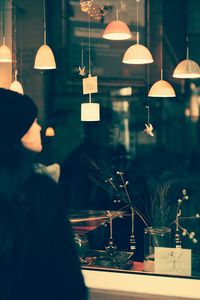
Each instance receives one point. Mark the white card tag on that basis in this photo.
(90, 85)
(175, 261)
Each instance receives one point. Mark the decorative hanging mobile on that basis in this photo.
(82, 67)
(94, 10)
(148, 125)
(90, 111)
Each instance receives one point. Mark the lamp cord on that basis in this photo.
(187, 47)
(89, 47)
(117, 10)
(3, 25)
(161, 59)
(137, 10)
(44, 12)
(20, 44)
(89, 55)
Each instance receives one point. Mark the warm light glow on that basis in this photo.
(16, 87)
(117, 30)
(137, 54)
(161, 88)
(5, 54)
(50, 131)
(187, 69)
(44, 59)
(90, 112)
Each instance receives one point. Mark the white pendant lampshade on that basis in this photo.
(187, 69)
(117, 30)
(50, 131)
(16, 87)
(90, 112)
(137, 54)
(5, 54)
(161, 88)
(44, 59)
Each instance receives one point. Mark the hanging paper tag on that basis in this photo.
(90, 85)
(175, 261)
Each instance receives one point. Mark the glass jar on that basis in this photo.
(154, 237)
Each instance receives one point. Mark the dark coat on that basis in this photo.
(38, 258)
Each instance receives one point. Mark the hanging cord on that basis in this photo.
(161, 58)
(137, 9)
(44, 12)
(82, 58)
(89, 55)
(187, 47)
(117, 11)
(89, 48)
(3, 17)
(20, 44)
(148, 98)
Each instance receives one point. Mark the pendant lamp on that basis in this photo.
(161, 88)
(137, 54)
(5, 53)
(187, 68)
(16, 85)
(44, 59)
(117, 30)
(49, 131)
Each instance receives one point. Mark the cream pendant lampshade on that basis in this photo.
(16, 87)
(50, 131)
(5, 53)
(137, 54)
(90, 112)
(161, 88)
(187, 68)
(44, 59)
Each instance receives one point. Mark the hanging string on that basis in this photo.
(117, 10)
(44, 19)
(89, 47)
(20, 44)
(82, 60)
(187, 47)
(161, 69)
(89, 55)
(148, 98)
(137, 10)
(3, 25)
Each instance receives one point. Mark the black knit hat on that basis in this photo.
(17, 114)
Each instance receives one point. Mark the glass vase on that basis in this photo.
(154, 237)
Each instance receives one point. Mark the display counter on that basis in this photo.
(117, 285)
